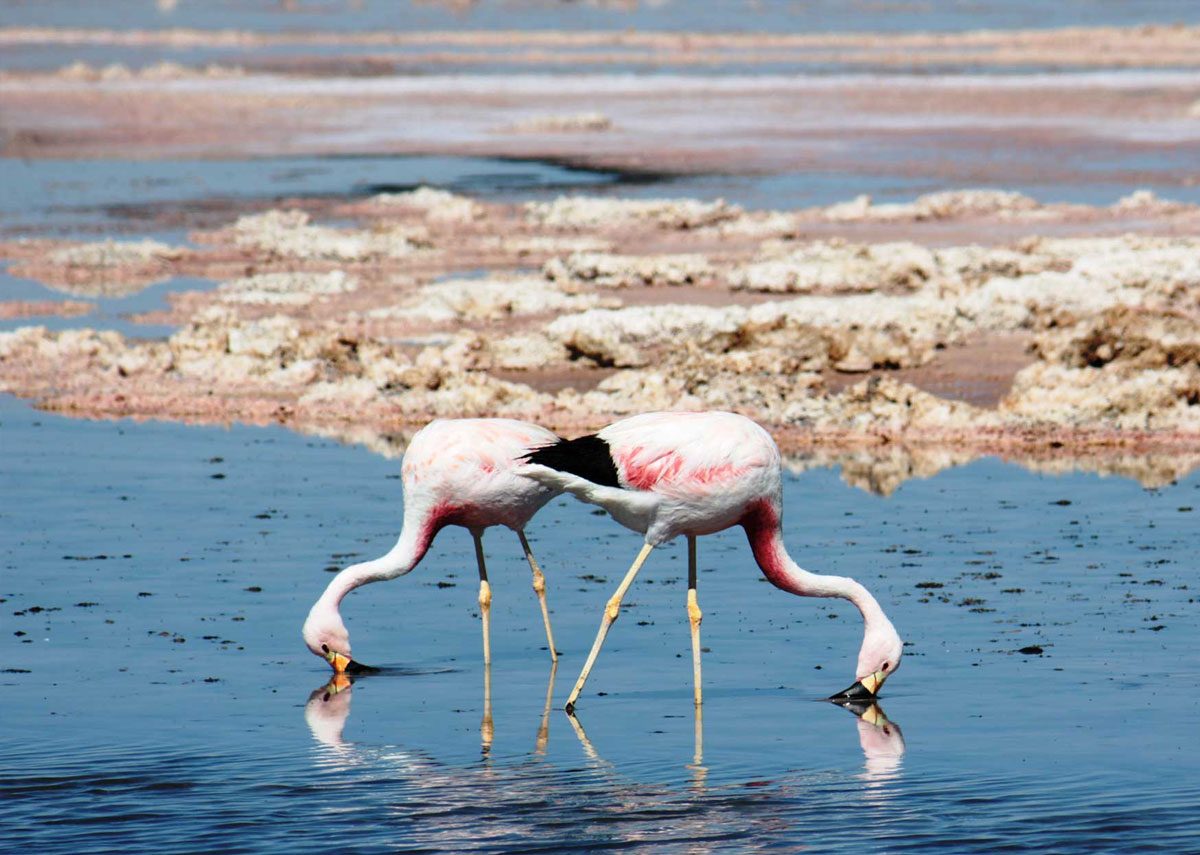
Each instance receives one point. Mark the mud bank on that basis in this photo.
(1127, 128)
(1083, 345)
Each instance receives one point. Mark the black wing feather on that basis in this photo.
(588, 457)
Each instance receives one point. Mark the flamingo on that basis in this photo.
(455, 472)
(667, 474)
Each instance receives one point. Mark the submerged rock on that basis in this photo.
(487, 299)
(594, 211)
(295, 289)
(628, 271)
(437, 205)
(951, 204)
(289, 233)
(835, 266)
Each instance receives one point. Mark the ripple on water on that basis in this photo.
(391, 798)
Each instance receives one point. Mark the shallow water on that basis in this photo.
(667, 15)
(84, 198)
(351, 17)
(157, 694)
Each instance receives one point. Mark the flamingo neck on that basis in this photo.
(410, 548)
(763, 529)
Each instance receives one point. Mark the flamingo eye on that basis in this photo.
(325, 648)
(886, 665)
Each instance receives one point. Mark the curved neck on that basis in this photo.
(414, 541)
(766, 540)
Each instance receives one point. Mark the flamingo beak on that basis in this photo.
(865, 689)
(343, 664)
(339, 661)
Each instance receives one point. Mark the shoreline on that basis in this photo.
(1042, 348)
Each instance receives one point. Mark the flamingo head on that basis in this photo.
(326, 635)
(878, 659)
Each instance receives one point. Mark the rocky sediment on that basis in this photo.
(836, 343)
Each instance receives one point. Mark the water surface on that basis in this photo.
(157, 695)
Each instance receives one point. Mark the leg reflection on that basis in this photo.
(487, 728)
(543, 734)
(586, 743)
(698, 769)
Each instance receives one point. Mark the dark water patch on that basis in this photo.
(83, 198)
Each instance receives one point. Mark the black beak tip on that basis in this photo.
(856, 693)
(356, 668)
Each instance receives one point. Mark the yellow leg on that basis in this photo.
(539, 588)
(611, 612)
(485, 599)
(694, 618)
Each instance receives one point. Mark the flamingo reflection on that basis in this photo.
(882, 742)
(328, 708)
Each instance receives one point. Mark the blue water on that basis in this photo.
(157, 695)
(369, 16)
(671, 15)
(86, 198)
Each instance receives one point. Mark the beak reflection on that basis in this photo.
(328, 708)
(880, 738)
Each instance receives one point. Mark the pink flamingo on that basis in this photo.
(455, 472)
(667, 474)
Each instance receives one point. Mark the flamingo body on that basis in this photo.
(460, 472)
(455, 472)
(692, 474)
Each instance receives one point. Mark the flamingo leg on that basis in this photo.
(485, 598)
(539, 587)
(694, 617)
(611, 612)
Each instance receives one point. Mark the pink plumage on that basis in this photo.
(691, 474)
(455, 472)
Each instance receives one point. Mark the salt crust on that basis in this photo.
(1114, 322)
